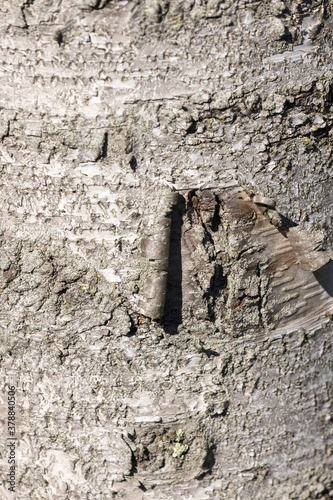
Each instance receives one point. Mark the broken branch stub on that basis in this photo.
(245, 273)
(155, 252)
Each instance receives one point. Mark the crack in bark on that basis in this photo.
(26, 4)
(260, 304)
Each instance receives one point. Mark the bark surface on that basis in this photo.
(134, 129)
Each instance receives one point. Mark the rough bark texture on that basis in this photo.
(105, 108)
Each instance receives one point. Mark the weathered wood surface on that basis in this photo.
(105, 106)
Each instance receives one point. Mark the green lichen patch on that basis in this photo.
(179, 450)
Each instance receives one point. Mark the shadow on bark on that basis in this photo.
(174, 298)
(324, 276)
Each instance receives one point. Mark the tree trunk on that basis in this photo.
(166, 243)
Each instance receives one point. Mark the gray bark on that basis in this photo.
(206, 374)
